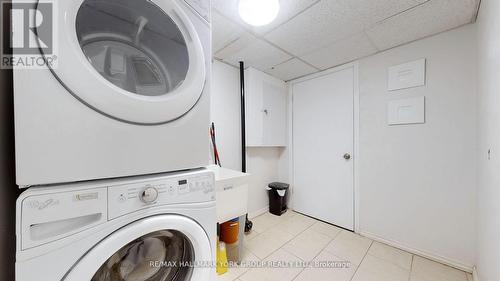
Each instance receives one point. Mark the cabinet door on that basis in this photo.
(266, 103)
(254, 105)
(274, 114)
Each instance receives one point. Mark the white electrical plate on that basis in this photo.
(407, 75)
(406, 111)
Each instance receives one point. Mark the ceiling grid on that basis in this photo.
(312, 35)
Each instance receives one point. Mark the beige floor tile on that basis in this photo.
(265, 222)
(307, 245)
(375, 269)
(327, 273)
(289, 213)
(267, 242)
(275, 272)
(396, 256)
(296, 224)
(427, 270)
(326, 229)
(293, 237)
(250, 235)
(238, 270)
(349, 246)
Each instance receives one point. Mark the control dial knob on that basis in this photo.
(149, 195)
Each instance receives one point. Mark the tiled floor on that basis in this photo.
(297, 238)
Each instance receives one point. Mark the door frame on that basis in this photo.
(355, 153)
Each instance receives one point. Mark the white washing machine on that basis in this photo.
(139, 229)
(128, 94)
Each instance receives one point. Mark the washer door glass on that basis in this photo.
(161, 255)
(136, 61)
(157, 248)
(133, 44)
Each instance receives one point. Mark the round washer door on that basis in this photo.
(163, 247)
(139, 61)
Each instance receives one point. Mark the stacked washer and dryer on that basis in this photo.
(111, 145)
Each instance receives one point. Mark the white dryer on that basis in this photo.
(128, 94)
(139, 229)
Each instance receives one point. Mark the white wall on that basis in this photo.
(418, 182)
(225, 113)
(488, 255)
(262, 163)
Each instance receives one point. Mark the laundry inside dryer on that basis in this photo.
(137, 47)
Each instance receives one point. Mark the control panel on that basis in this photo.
(191, 188)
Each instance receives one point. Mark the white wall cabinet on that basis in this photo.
(266, 109)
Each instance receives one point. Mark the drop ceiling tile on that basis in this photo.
(223, 31)
(430, 18)
(291, 69)
(341, 52)
(372, 12)
(254, 52)
(321, 25)
(288, 9)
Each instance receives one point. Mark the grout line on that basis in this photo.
(224, 62)
(309, 227)
(322, 249)
(272, 67)
(411, 266)
(362, 260)
(291, 18)
(226, 45)
(388, 260)
(398, 13)
(288, 53)
(294, 236)
(281, 247)
(262, 38)
(301, 232)
(230, 41)
(382, 51)
(272, 227)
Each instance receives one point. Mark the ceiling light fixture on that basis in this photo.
(258, 12)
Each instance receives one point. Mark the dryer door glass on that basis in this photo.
(160, 256)
(133, 44)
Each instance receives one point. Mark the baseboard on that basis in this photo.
(475, 276)
(257, 213)
(436, 258)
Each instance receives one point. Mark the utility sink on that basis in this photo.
(231, 193)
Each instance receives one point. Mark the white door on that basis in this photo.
(138, 61)
(323, 141)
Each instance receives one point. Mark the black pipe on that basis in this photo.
(248, 223)
(243, 129)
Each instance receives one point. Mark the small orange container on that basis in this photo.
(229, 231)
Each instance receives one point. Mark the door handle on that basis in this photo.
(347, 156)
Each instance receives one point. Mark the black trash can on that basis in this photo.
(278, 195)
